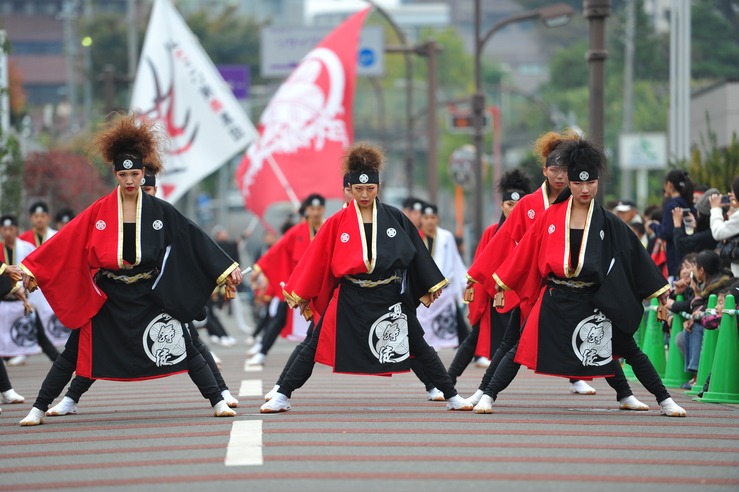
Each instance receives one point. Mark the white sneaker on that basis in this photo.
(482, 363)
(475, 398)
(456, 402)
(34, 417)
(256, 360)
(271, 394)
(255, 349)
(227, 342)
(64, 407)
(215, 339)
(279, 403)
(218, 361)
(250, 340)
(435, 395)
(485, 405)
(221, 409)
(581, 388)
(11, 396)
(18, 360)
(671, 409)
(229, 399)
(631, 403)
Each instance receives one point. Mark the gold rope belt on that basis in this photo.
(575, 284)
(371, 283)
(126, 279)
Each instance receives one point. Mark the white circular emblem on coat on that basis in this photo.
(128, 164)
(602, 235)
(158, 225)
(515, 196)
(584, 176)
(363, 178)
(531, 213)
(345, 238)
(391, 232)
(100, 225)
(551, 229)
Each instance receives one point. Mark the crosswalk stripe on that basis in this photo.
(251, 387)
(245, 444)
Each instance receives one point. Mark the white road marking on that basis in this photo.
(245, 444)
(251, 387)
(248, 368)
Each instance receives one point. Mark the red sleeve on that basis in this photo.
(277, 263)
(312, 278)
(520, 272)
(62, 270)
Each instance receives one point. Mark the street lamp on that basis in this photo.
(551, 16)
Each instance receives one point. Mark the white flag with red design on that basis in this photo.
(306, 127)
(179, 86)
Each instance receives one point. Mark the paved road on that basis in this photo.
(363, 434)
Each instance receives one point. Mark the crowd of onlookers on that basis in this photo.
(693, 236)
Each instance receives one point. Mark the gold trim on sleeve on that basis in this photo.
(225, 274)
(659, 292)
(14, 289)
(256, 268)
(470, 278)
(2, 268)
(25, 269)
(438, 286)
(500, 282)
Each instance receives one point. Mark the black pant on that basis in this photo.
(465, 354)
(623, 344)
(43, 341)
(296, 351)
(302, 367)
(4, 379)
(212, 323)
(274, 327)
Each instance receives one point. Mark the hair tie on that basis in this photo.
(681, 184)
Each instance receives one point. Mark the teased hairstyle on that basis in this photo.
(549, 141)
(580, 152)
(363, 157)
(124, 135)
(515, 180)
(682, 183)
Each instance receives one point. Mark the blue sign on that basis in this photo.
(238, 77)
(366, 57)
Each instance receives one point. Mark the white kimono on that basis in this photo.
(18, 330)
(439, 321)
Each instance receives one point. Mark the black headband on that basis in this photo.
(127, 163)
(582, 173)
(8, 220)
(513, 195)
(150, 179)
(430, 209)
(363, 177)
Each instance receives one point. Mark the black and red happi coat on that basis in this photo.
(364, 330)
(569, 330)
(129, 331)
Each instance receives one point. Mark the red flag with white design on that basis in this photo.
(307, 126)
(178, 85)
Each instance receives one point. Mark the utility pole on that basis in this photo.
(431, 50)
(596, 12)
(132, 40)
(86, 51)
(627, 125)
(68, 16)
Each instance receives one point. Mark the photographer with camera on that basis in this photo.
(693, 234)
(726, 229)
